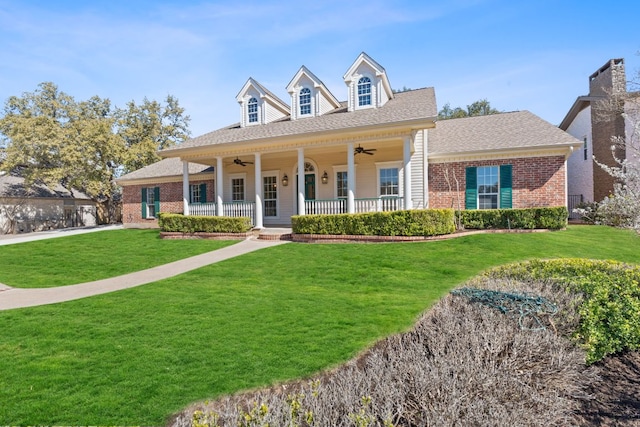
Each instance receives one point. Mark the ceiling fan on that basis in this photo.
(360, 150)
(237, 161)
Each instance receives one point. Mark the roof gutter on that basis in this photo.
(565, 148)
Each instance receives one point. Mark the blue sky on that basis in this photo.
(520, 55)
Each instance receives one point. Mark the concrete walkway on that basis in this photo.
(11, 239)
(19, 298)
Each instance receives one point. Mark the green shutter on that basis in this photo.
(144, 203)
(156, 199)
(505, 187)
(203, 193)
(471, 193)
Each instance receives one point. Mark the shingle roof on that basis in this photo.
(164, 168)
(405, 106)
(504, 131)
(13, 186)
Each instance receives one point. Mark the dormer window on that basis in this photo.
(252, 110)
(368, 84)
(305, 101)
(364, 91)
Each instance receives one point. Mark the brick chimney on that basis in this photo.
(609, 83)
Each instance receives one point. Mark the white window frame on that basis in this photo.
(390, 165)
(359, 95)
(194, 189)
(486, 193)
(271, 174)
(307, 105)
(336, 170)
(250, 113)
(243, 177)
(151, 206)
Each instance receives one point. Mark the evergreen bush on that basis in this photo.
(169, 222)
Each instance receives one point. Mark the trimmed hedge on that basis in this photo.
(428, 222)
(207, 224)
(546, 218)
(610, 308)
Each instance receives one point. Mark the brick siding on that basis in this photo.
(536, 182)
(170, 201)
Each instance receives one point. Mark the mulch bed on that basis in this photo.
(616, 399)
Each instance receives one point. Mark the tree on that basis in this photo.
(50, 138)
(149, 127)
(478, 108)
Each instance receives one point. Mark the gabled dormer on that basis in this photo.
(258, 106)
(368, 84)
(309, 96)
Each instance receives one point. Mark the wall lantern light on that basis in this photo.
(325, 177)
(285, 180)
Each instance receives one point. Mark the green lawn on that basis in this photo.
(136, 356)
(93, 256)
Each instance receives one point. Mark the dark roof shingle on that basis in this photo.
(504, 131)
(405, 106)
(165, 167)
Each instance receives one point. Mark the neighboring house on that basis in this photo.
(41, 208)
(595, 119)
(379, 150)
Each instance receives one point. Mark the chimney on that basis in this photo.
(610, 79)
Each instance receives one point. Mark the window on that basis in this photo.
(342, 188)
(488, 187)
(364, 91)
(237, 189)
(150, 202)
(198, 193)
(584, 147)
(389, 182)
(270, 195)
(252, 110)
(305, 101)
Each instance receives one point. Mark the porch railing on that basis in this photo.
(231, 209)
(332, 206)
(236, 209)
(325, 207)
(336, 206)
(379, 204)
(202, 209)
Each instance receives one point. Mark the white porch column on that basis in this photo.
(301, 210)
(219, 187)
(425, 166)
(408, 204)
(351, 179)
(185, 187)
(258, 172)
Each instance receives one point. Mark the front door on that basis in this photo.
(309, 188)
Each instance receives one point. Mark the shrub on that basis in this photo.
(462, 364)
(427, 222)
(465, 363)
(610, 310)
(544, 218)
(206, 224)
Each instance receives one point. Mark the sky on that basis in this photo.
(534, 55)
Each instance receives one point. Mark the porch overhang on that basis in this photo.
(364, 134)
